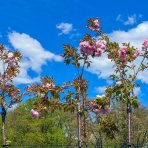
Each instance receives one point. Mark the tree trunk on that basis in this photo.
(3, 114)
(79, 125)
(129, 123)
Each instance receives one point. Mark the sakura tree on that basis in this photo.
(126, 69)
(9, 93)
(89, 47)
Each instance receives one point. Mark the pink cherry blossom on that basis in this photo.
(97, 111)
(34, 113)
(122, 54)
(93, 49)
(10, 55)
(100, 44)
(137, 53)
(106, 110)
(48, 85)
(95, 26)
(93, 105)
(85, 47)
(98, 52)
(145, 44)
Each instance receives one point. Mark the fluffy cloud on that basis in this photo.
(34, 55)
(137, 90)
(103, 66)
(100, 89)
(65, 28)
(136, 37)
(132, 19)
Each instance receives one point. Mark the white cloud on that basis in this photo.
(65, 28)
(34, 56)
(131, 20)
(103, 66)
(136, 37)
(100, 89)
(119, 18)
(100, 96)
(137, 90)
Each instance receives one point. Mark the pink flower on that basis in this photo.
(93, 105)
(10, 55)
(95, 26)
(106, 110)
(122, 54)
(86, 48)
(136, 54)
(97, 111)
(96, 23)
(100, 44)
(145, 44)
(48, 85)
(98, 52)
(34, 113)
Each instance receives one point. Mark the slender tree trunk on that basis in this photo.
(79, 125)
(84, 116)
(3, 114)
(129, 123)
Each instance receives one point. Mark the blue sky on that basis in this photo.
(39, 28)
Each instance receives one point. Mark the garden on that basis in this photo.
(62, 115)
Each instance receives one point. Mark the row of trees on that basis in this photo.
(60, 127)
(73, 96)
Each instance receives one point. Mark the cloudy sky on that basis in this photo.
(39, 28)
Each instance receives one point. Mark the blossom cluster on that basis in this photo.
(95, 108)
(10, 60)
(94, 48)
(124, 51)
(145, 44)
(94, 24)
(34, 113)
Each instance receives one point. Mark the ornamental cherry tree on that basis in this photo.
(9, 93)
(89, 47)
(126, 67)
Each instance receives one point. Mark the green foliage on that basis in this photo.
(23, 129)
(61, 127)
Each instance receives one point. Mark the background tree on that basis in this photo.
(125, 76)
(9, 93)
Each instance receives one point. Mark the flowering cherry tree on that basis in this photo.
(47, 93)
(9, 93)
(126, 71)
(89, 47)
